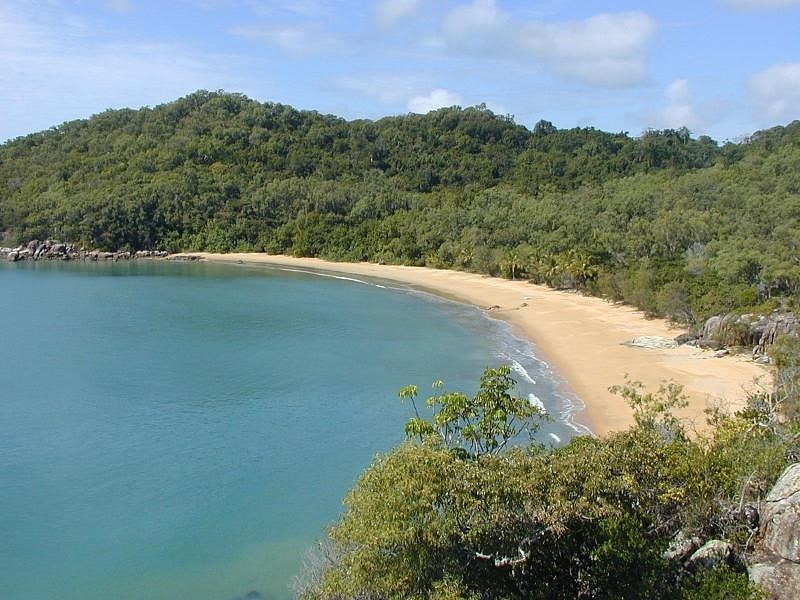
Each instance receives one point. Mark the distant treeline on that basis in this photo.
(675, 225)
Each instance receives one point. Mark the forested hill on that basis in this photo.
(675, 225)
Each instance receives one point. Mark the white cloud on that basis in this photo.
(607, 50)
(680, 110)
(479, 26)
(387, 89)
(756, 4)
(775, 93)
(388, 13)
(438, 98)
(295, 40)
(54, 71)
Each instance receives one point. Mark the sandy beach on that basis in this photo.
(582, 338)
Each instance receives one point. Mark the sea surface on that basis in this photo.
(175, 431)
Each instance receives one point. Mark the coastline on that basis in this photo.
(582, 338)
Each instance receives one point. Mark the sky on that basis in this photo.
(723, 68)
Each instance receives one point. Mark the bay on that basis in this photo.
(188, 430)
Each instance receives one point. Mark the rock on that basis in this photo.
(184, 257)
(13, 256)
(780, 580)
(719, 330)
(721, 353)
(757, 331)
(652, 342)
(776, 564)
(712, 554)
(687, 338)
(681, 546)
(780, 516)
(712, 328)
(771, 328)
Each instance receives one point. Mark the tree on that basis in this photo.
(592, 519)
(482, 424)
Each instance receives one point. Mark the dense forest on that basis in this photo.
(678, 226)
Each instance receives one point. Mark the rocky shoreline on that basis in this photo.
(756, 333)
(36, 250)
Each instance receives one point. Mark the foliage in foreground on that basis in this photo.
(442, 519)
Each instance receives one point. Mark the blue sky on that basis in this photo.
(724, 68)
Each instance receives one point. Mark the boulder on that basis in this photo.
(711, 332)
(687, 338)
(681, 546)
(771, 328)
(780, 580)
(780, 516)
(713, 553)
(776, 564)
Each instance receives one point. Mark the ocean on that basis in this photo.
(188, 430)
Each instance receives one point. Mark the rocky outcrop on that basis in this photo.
(55, 250)
(781, 516)
(758, 332)
(776, 564)
(767, 330)
(779, 579)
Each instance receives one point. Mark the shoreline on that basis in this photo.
(582, 338)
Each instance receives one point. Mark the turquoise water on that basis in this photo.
(186, 431)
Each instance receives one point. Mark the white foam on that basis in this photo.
(521, 370)
(556, 439)
(318, 274)
(534, 400)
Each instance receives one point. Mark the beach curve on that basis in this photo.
(583, 338)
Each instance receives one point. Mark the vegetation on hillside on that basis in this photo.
(675, 225)
(444, 516)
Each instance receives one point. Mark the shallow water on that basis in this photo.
(187, 430)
